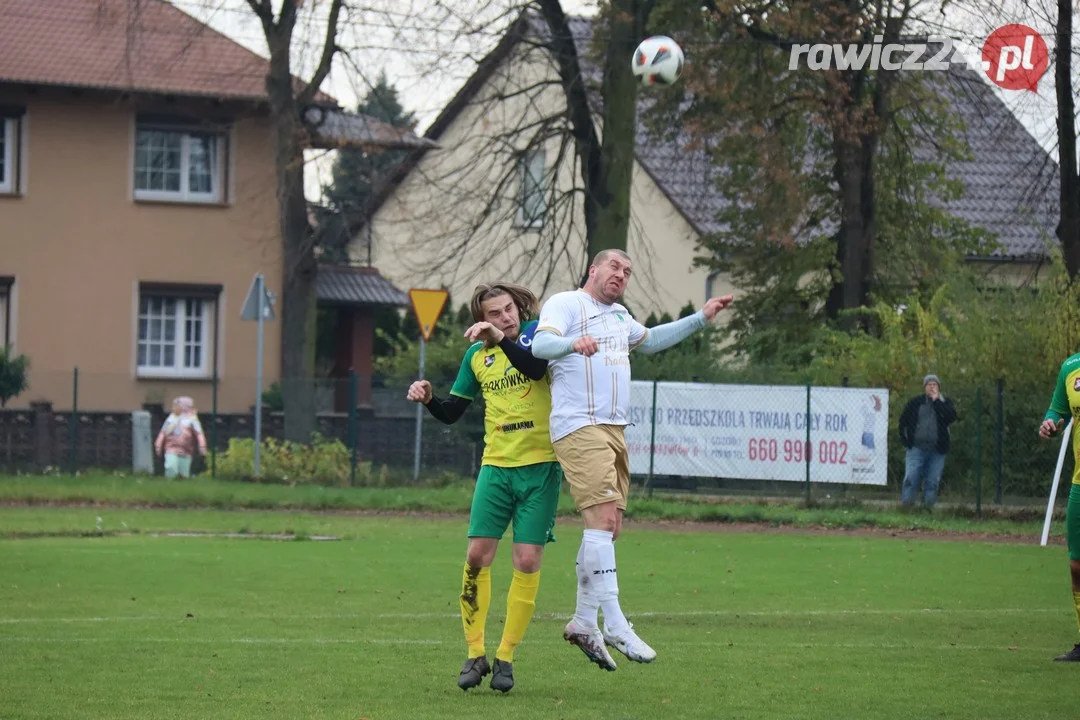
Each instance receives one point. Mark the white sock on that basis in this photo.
(600, 565)
(587, 604)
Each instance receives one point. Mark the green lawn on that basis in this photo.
(454, 496)
(747, 625)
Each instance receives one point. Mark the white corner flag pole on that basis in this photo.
(1057, 476)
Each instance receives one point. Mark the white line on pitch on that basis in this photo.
(760, 613)
(533, 641)
(544, 616)
(239, 641)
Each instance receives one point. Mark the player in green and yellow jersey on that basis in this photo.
(1066, 403)
(519, 478)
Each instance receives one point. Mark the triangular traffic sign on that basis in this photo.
(428, 306)
(250, 311)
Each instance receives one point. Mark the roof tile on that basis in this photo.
(344, 285)
(149, 46)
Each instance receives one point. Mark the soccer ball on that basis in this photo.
(658, 60)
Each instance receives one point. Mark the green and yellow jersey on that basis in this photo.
(516, 408)
(1066, 403)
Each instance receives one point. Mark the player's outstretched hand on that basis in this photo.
(715, 305)
(484, 331)
(419, 391)
(587, 345)
(1049, 429)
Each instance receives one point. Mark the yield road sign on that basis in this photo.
(428, 306)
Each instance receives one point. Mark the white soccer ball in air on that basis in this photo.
(658, 60)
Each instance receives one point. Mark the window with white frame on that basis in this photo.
(532, 199)
(174, 334)
(9, 154)
(178, 164)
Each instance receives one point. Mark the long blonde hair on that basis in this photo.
(527, 304)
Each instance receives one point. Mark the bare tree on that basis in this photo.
(564, 78)
(301, 40)
(607, 164)
(587, 84)
(287, 102)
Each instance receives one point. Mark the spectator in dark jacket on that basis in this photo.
(924, 430)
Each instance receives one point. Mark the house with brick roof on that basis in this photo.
(138, 200)
(497, 199)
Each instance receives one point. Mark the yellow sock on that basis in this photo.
(520, 606)
(1076, 602)
(475, 600)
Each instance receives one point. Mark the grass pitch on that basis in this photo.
(746, 625)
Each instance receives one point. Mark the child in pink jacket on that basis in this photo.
(181, 434)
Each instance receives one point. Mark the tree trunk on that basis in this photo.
(1068, 230)
(851, 288)
(299, 267)
(586, 139)
(611, 197)
(607, 162)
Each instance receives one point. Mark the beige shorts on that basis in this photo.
(596, 464)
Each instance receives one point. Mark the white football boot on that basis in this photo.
(629, 644)
(591, 642)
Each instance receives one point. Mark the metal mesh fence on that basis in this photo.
(739, 439)
(81, 421)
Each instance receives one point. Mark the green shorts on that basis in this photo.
(1072, 523)
(527, 495)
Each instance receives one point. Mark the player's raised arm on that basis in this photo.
(521, 357)
(516, 351)
(662, 337)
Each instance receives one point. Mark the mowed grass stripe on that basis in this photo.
(748, 626)
(555, 617)
(548, 641)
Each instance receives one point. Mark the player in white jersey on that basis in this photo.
(587, 335)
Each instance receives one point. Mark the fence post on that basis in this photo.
(74, 429)
(999, 440)
(213, 423)
(808, 445)
(652, 442)
(43, 434)
(978, 452)
(352, 428)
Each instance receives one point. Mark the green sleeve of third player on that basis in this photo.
(1059, 404)
(466, 385)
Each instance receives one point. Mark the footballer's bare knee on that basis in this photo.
(601, 517)
(527, 558)
(481, 552)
